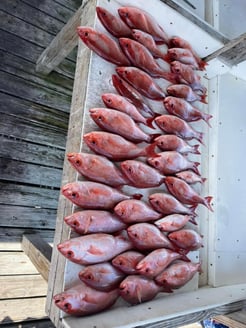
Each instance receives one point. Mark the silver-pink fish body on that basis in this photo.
(94, 248)
(182, 55)
(137, 18)
(127, 261)
(187, 239)
(175, 125)
(101, 276)
(119, 123)
(157, 261)
(93, 221)
(81, 300)
(171, 162)
(112, 23)
(185, 193)
(97, 168)
(172, 142)
(124, 105)
(141, 175)
(146, 236)
(141, 81)
(148, 41)
(103, 45)
(184, 110)
(135, 211)
(185, 74)
(93, 195)
(172, 222)
(136, 289)
(142, 58)
(178, 274)
(114, 146)
(190, 177)
(185, 92)
(167, 204)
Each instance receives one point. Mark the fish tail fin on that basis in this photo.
(206, 118)
(202, 65)
(195, 168)
(154, 136)
(199, 137)
(199, 267)
(184, 258)
(207, 202)
(149, 122)
(203, 98)
(203, 180)
(137, 196)
(148, 110)
(192, 220)
(192, 209)
(149, 151)
(196, 150)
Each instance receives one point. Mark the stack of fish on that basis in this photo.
(130, 247)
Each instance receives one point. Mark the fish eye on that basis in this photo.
(69, 253)
(67, 305)
(130, 169)
(147, 270)
(135, 234)
(75, 223)
(156, 163)
(109, 100)
(89, 276)
(93, 142)
(74, 195)
(78, 162)
(100, 117)
(171, 105)
(86, 34)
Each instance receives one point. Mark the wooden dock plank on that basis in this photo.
(225, 320)
(24, 195)
(44, 117)
(16, 171)
(25, 217)
(22, 286)
(39, 252)
(17, 127)
(13, 263)
(14, 310)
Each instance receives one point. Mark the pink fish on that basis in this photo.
(94, 248)
(178, 42)
(141, 81)
(184, 110)
(173, 222)
(167, 204)
(101, 276)
(146, 236)
(81, 300)
(178, 274)
(182, 55)
(175, 125)
(115, 147)
(113, 24)
(141, 175)
(137, 18)
(93, 221)
(185, 92)
(185, 193)
(126, 90)
(148, 41)
(135, 211)
(190, 177)
(136, 289)
(119, 123)
(93, 195)
(172, 142)
(102, 45)
(171, 162)
(187, 239)
(185, 74)
(127, 261)
(125, 105)
(157, 261)
(141, 57)
(97, 168)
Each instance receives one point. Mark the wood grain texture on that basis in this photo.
(73, 144)
(13, 263)
(228, 322)
(39, 252)
(28, 309)
(22, 286)
(61, 45)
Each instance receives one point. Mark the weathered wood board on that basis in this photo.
(93, 77)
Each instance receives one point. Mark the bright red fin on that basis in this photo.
(207, 202)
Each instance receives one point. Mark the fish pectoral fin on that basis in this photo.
(88, 299)
(138, 290)
(94, 250)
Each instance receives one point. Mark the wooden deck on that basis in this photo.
(34, 119)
